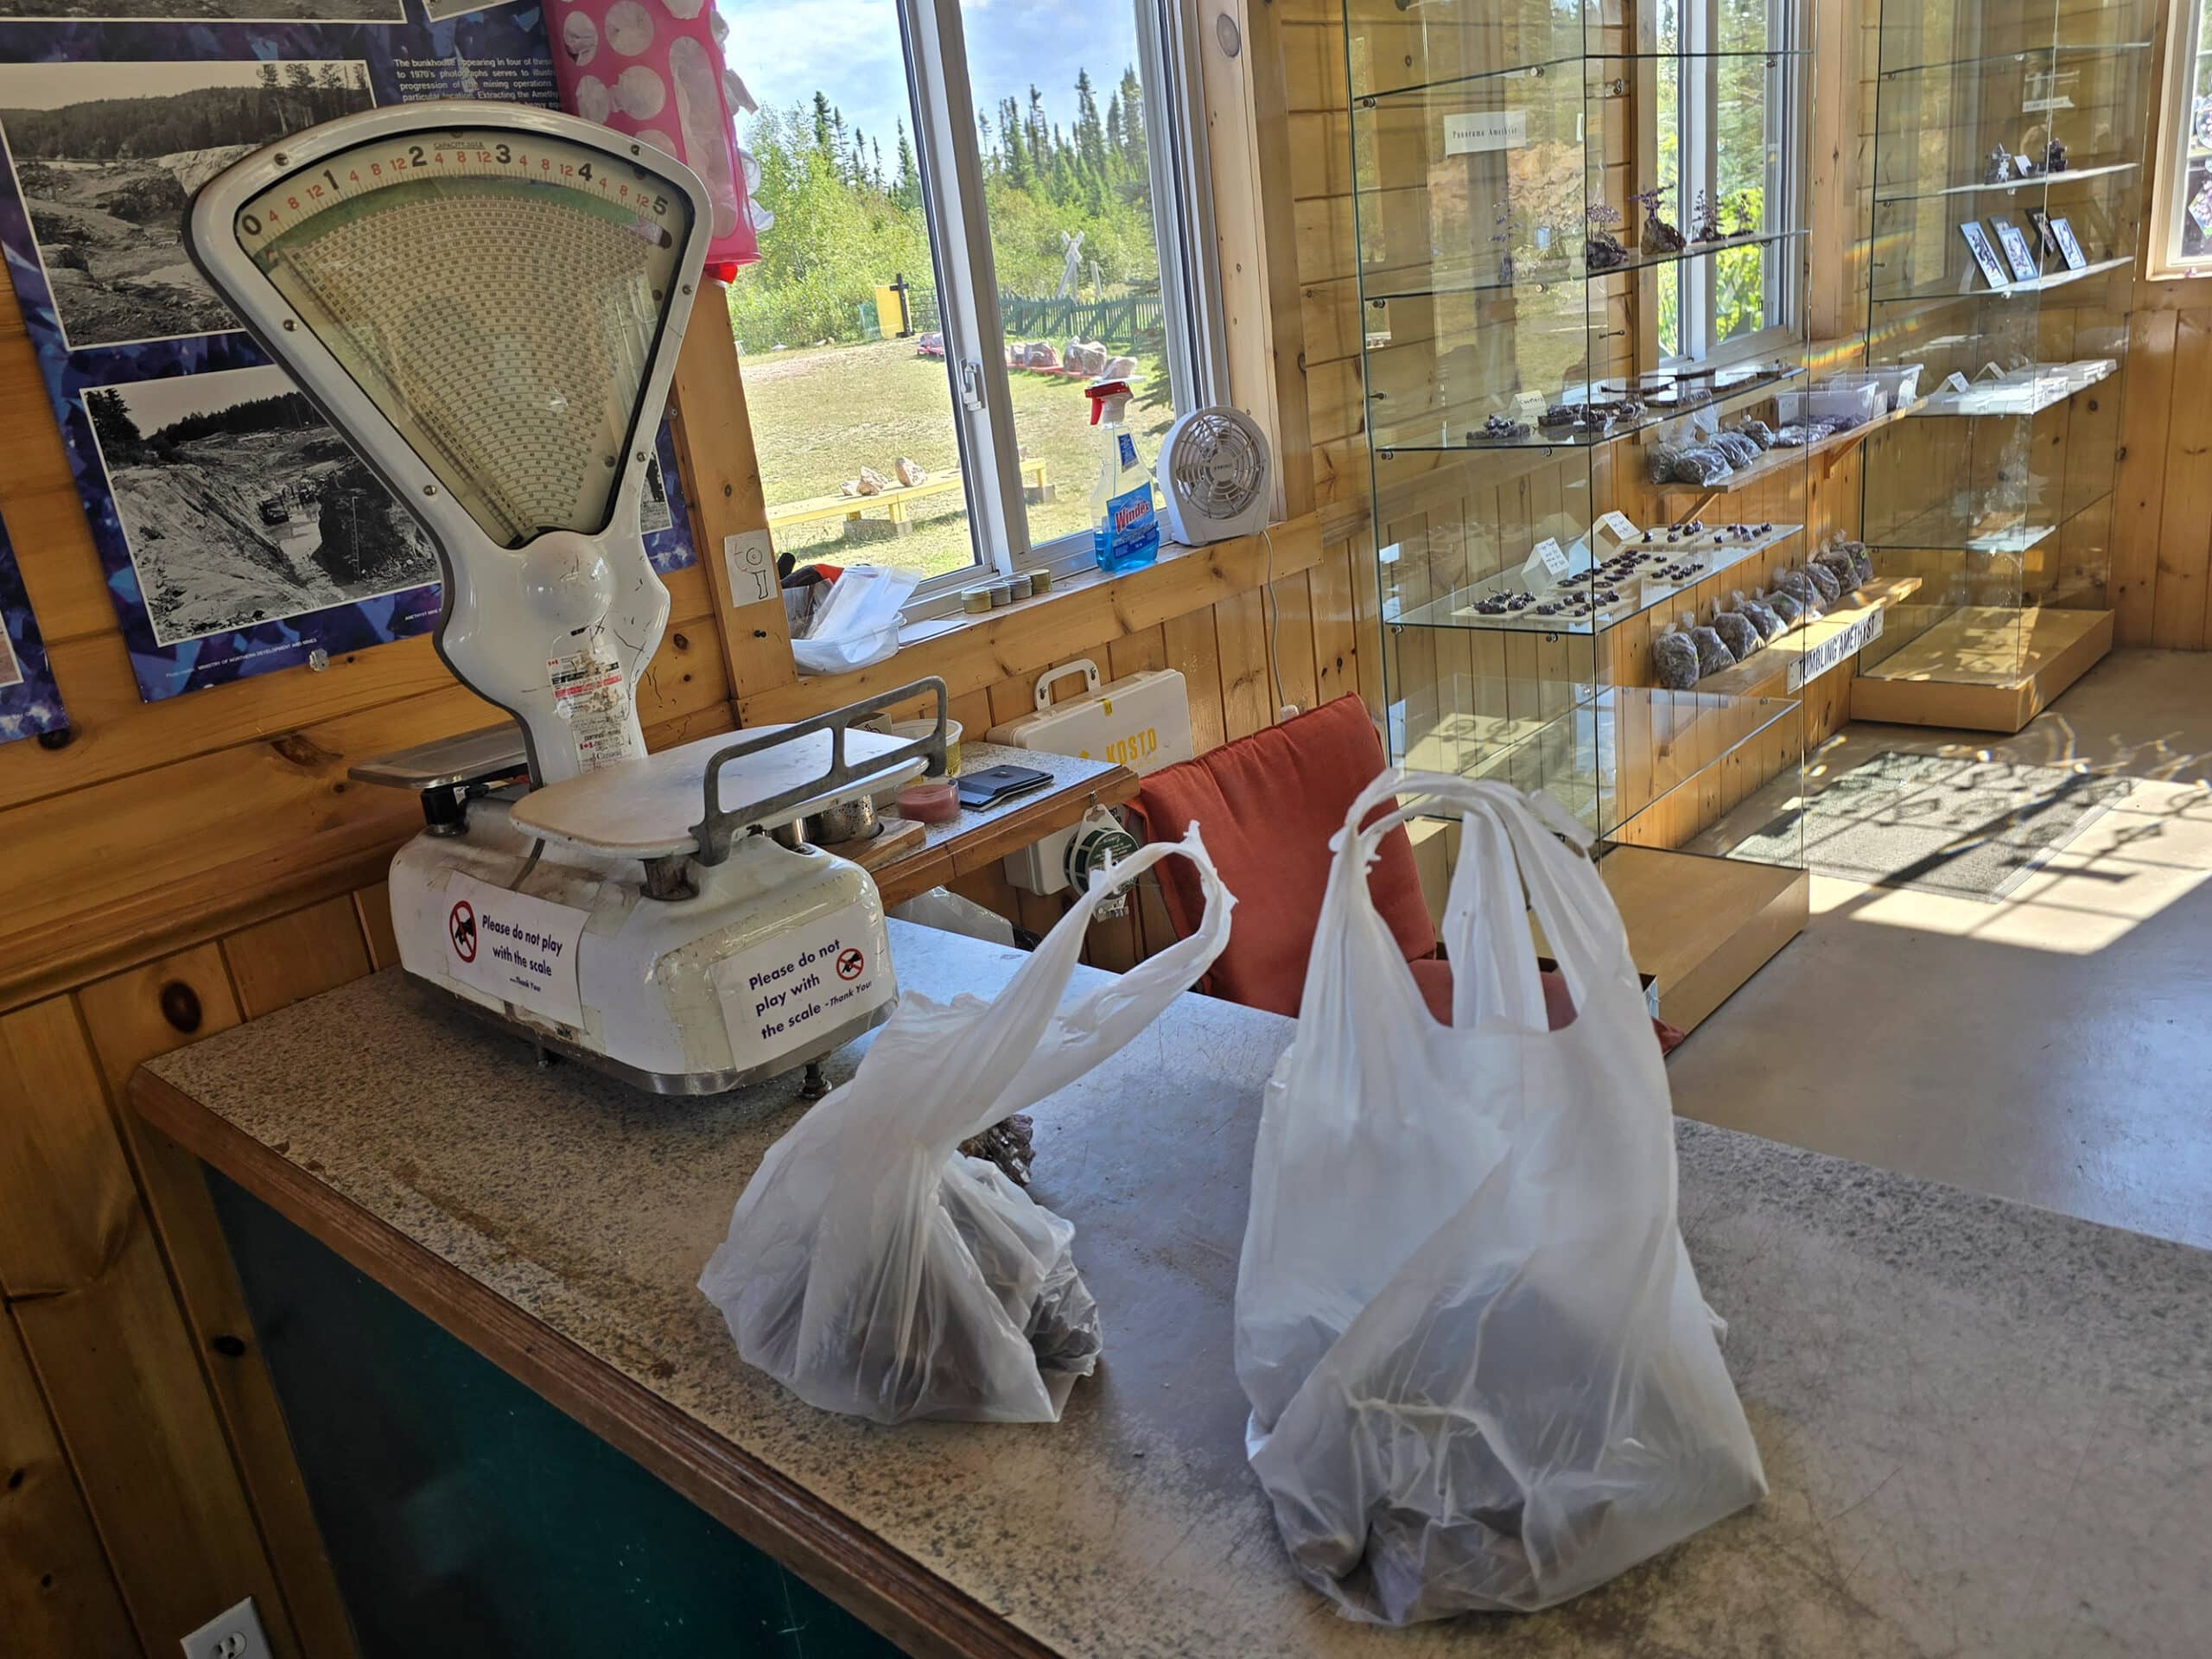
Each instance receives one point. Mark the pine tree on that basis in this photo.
(822, 124)
(1133, 146)
(859, 160)
(111, 423)
(1017, 145)
(1089, 133)
(1114, 128)
(906, 190)
(268, 76)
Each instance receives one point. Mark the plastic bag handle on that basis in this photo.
(1090, 671)
(1563, 891)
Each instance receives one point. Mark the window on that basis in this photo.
(1726, 120)
(958, 195)
(2182, 231)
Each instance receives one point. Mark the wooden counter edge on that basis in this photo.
(894, 1594)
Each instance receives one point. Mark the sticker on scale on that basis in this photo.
(521, 949)
(592, 694)
(789, 989)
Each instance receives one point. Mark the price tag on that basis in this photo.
(1616, 524)
(1547, 564)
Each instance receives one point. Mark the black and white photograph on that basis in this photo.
(242, 506)
(2069, 246)
(652, 505)
(2018, 254)
(2040, 220)
(438, 10)
(1984, 254)
(205, 11)
(107, 155)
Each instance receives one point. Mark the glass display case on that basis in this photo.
(1581, 234)
(2008, 143)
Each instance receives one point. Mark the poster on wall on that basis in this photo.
(238, 532)
(29, 704)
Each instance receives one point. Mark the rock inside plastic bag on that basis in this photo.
(1784, 605)
(1738, 634)
(1861, 560)
(1761, 616)
(1799, 587)
(1823, 581)
(1053, 1309)
(1009, 1145)
(1702, 464)
(1713, 652)
(1758, 431)
(1659, 461)
(1675, 660)
(1740, 450)
(1838, 564)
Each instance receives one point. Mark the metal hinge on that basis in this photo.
(971, 385)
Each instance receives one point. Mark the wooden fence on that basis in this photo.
(1124, 322)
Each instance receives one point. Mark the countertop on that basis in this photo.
(1988, 1427)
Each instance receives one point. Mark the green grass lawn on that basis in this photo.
(820, 415)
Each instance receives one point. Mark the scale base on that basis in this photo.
(809, 1056)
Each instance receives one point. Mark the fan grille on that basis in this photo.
(1217, 467)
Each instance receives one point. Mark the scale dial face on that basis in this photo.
(497, 295)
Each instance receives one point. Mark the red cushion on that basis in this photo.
(1267, 804)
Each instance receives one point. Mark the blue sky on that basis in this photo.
(850, 48)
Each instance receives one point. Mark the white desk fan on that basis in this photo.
(1213, 470)
(487, 300)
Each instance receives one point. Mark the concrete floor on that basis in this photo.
(2056, 1047)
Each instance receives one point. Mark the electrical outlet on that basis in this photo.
(236, 1634)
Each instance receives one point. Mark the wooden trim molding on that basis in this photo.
(887, 1589)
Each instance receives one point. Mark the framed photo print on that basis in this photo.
(2018, 254)
(1992, 268)
(2069, 246)
(2040, 221)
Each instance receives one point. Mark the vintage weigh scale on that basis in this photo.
(487, 300)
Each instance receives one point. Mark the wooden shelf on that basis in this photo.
(1766, 674)
(1828, 451)
(1984, 668)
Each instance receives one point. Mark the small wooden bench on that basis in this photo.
(895, 502)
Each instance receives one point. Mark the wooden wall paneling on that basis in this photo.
(100, 1322)
(276, 964)
(1247, 701)
(56, 1593)
(372, 905)
(133, 1017)
(2186, 510)
(2147, 408)
(1336, 644)
(1188, 641)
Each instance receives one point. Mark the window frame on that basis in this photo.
(2170, 162)
(949, 157)
(1698, 99)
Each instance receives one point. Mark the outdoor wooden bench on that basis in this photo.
(895, 502)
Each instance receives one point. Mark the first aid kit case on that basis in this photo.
(1140, 721)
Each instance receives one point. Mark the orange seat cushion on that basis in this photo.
(1268, 805)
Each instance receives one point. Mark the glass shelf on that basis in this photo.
(1731, 389)
(2012, 397)
(1939, 529)
(1574, 269)
(2027, 54)
(1638, 593)
(2041, 181)
(1543, 66)
(2042, 284)
(1606, 754)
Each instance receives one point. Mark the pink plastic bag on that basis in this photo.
(653, 68)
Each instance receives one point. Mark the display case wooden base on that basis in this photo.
(1986, 668)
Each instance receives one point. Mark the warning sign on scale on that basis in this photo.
(780, 993)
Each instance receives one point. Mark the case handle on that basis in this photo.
(1045, 681)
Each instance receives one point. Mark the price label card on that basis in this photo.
(1618, 525)
(1547, 564)
(1474, 132)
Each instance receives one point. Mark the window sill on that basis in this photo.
(1081, 613)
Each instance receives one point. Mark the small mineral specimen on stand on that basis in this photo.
(1659, 237)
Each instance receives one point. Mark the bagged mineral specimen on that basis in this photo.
(1713, 652)
(1838, 564)
(1758, 431)
(1799, 587)
(1760, 614)
(1738, 634)
(1675, 660)
(1784, 605)
(1702, 464)
(1659, 461)
(1823, 581)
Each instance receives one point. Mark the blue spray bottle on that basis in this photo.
(1125, 528)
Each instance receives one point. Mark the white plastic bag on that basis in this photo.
(872, 1271)
(858, 623)
(1481, 1375)
(949, 913)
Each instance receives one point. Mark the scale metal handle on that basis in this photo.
(718, 831)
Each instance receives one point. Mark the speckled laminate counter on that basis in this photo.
(1988, 1428)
